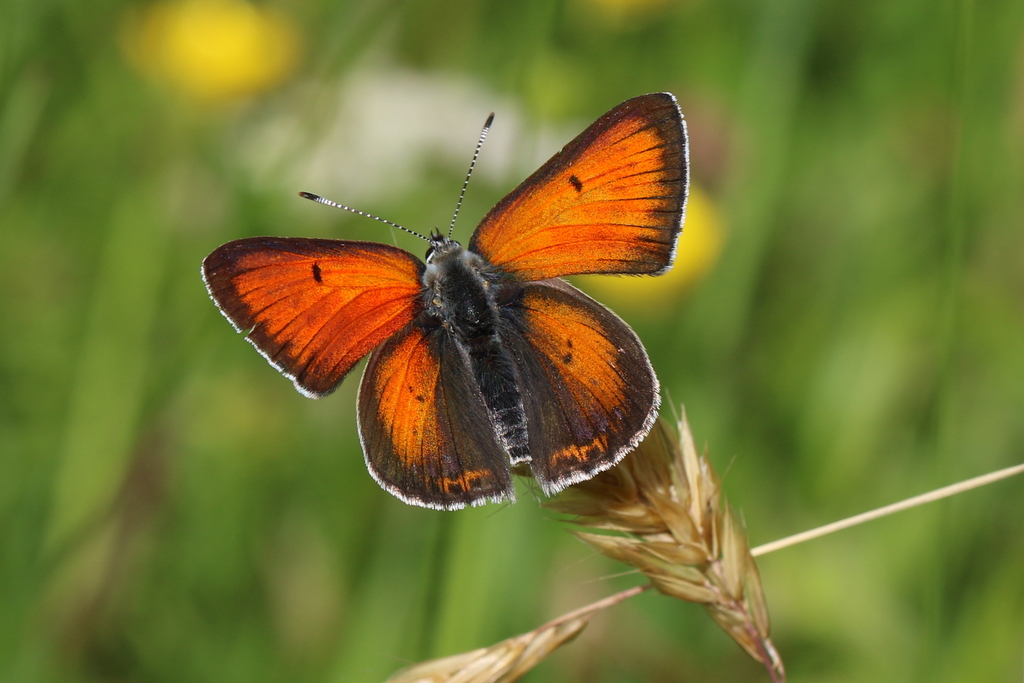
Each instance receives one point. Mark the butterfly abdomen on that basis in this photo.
(494, 374)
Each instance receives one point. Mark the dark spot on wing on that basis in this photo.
(567, 358)
(316, 272)
(420, 398)
(576, 183)
(568, 342)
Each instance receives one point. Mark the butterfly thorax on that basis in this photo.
(458, 290)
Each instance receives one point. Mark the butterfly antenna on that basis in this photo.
(321, 200)
(479, 144)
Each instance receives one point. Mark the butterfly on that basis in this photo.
(481, 357)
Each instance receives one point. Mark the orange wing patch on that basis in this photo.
(424, 427)
(612, 201)
(314, 307)
(590, 393)
(586, 359)
(405, 382)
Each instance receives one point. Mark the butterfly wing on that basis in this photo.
(426, 434)
(612, 201)
(314, 307)
(590, 392)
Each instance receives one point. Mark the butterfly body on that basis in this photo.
(483, 357)
(463, 296)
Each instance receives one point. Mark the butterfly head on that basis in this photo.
(441, 246)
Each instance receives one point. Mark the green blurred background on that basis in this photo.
(172, 510)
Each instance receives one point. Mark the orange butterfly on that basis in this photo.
(482, 357)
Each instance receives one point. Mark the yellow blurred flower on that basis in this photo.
(696, 253)
(213, 50)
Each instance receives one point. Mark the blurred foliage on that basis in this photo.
(171, 509)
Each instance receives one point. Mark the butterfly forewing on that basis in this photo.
(313, 307)
(611, 201)
(424, 427)
(589, 391)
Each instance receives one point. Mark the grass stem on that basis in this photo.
(937, 494)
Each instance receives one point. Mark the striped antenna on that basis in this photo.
(317, 198)
(479, 144)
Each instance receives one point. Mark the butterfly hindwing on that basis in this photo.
(589, 392)
(611, 201)
(424, 427)
(314, 307)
